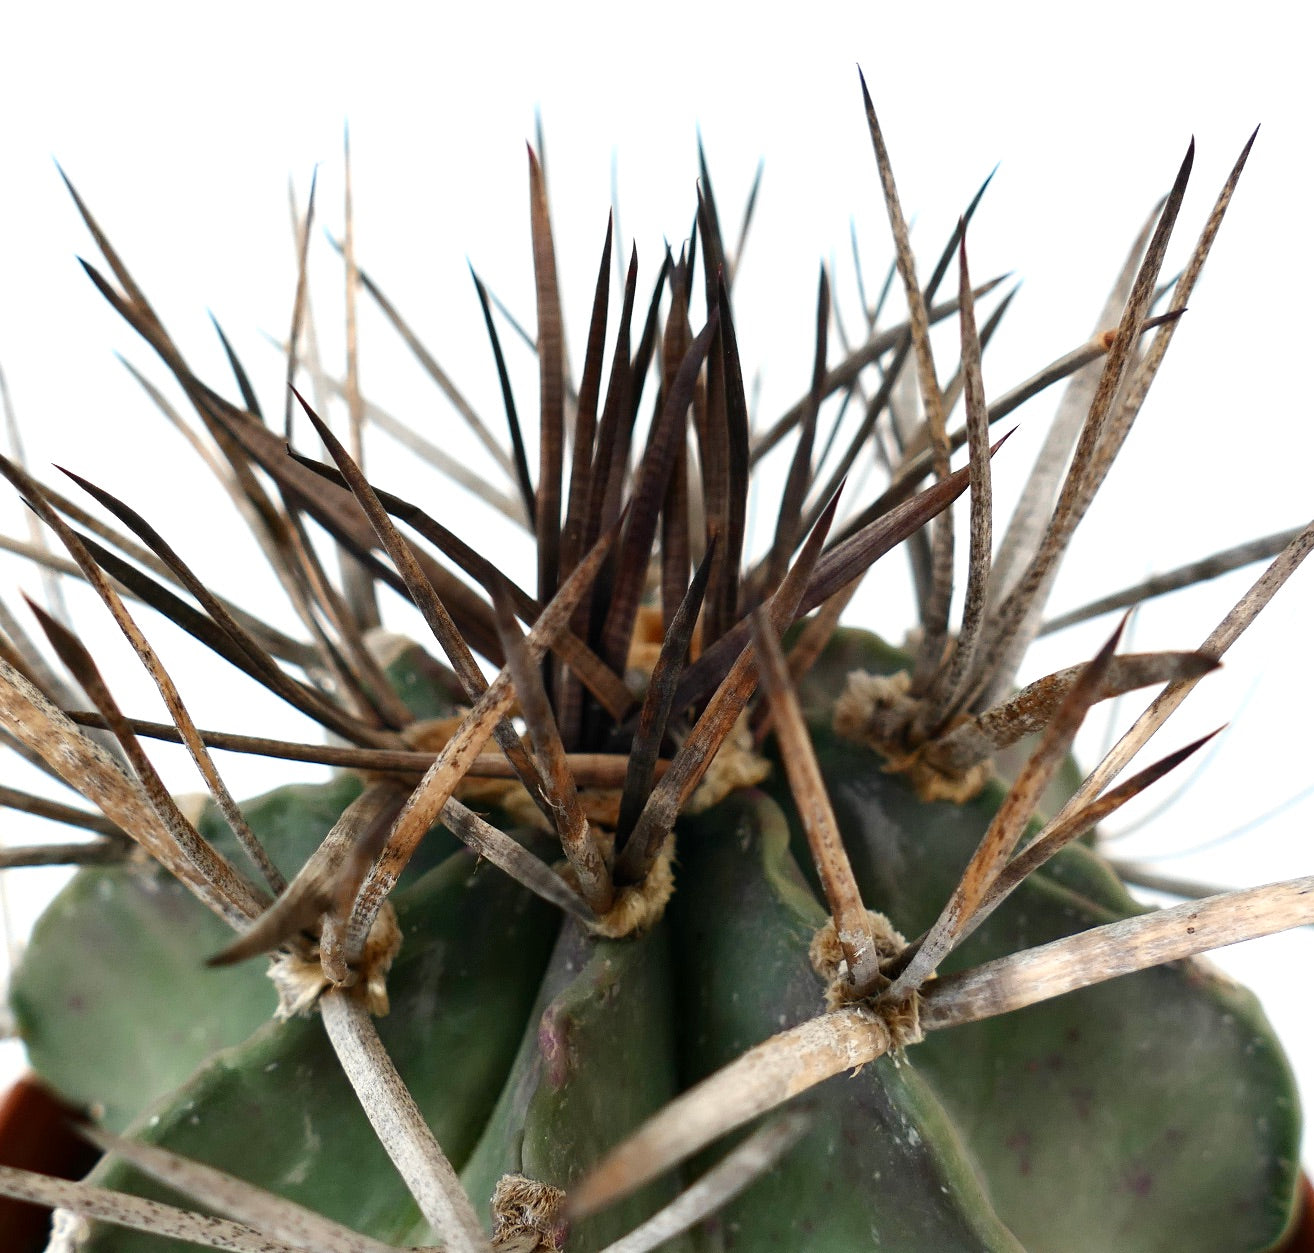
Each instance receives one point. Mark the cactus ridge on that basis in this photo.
(546, 939)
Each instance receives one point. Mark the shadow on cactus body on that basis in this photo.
(540, 1016)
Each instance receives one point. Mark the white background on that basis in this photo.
(182, 126)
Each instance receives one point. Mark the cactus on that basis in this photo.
(521, 996)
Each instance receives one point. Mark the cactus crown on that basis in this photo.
(662, 675)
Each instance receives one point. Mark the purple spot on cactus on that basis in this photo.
(1082, 1101)
(1054, 1061)
(554, 1045)
(1032, 1066)
(1019, 1142)
(76, 1004)
(1139, 1182)
(1072, 1035)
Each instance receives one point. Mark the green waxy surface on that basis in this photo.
(846, 651)
(420, 681)
(277, 1109)
(880, 1165)
(88, 995)
(112, 998)
(289, 822)
(1153, 1112)
(597, 1058)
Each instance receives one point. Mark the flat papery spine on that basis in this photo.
(743, 1165)
(137, 1214)
(399, 1124)
(801, 1057)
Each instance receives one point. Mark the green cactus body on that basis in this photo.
(571, 1034)
(529, 1055)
